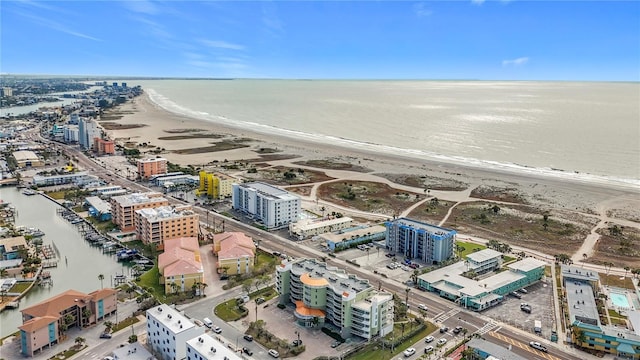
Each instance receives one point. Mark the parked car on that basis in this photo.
(536, 345)
(442, 341)
(105, 336)
(422, 307)
(444, 330)
(248, 337)
(428, 349)
(515, 295)
(259, 300)
(523, 290)
(457, 329)
(409, 352)
(274, 353)
(217, 330)
(247, 351)
(389, 255)
(429, 339)
(336, 343)
(296, 342)
(525, 307)
(414, 266)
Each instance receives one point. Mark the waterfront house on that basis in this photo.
(421, 241)
(10, 247)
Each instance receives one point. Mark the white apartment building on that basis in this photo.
(273, 207)
(70, 134)
(168, 331)
(204, 347)
(484, 261)
(325, 293)
(305, 228)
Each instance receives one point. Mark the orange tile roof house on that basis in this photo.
(235, 252)
(45, 322)
(180, 263)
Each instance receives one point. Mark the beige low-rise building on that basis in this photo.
(306, 228)
(181, 264)
(154, 225)
(235, 251)
(26, 159)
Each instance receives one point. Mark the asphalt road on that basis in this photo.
(440, 310)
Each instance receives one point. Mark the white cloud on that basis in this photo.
(515, 62)
(141, 6)
(219, 44)
(421, 11)
(54, 25)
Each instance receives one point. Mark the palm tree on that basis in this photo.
(86, 314)
(406, 299)
(79, 341)
(107, 326)
(3, 273)
(101, 278)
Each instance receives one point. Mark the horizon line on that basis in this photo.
(135, 77)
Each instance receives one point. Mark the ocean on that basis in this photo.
(584, 130)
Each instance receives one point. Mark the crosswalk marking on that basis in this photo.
(444, 316)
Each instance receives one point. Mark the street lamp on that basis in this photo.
(298, 333)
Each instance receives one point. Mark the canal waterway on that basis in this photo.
(84, 262)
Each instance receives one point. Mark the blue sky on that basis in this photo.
(511, 40)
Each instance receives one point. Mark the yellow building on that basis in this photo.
(235, 252)
(215, 186)
(180, 264)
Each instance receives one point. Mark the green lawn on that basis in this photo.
(20, 287)
(229, 311)
(102, 226)
(374, 351)
(614, 313)
(150, 280)
(58, 195)
(68, 353)
(267, 293)
(469, 248)
(124, 323)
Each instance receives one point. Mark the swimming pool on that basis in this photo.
(619, 300)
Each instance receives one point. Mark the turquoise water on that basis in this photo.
(619, 300)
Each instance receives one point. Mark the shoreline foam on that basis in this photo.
(168, 105)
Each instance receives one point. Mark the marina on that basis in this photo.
(74, 263)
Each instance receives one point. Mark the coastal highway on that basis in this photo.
(441, 311)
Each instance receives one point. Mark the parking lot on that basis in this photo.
(375, 260)
(281, 323)
(540, 297)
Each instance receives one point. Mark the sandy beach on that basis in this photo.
(189, 141)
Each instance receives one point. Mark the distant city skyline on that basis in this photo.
(483, 40)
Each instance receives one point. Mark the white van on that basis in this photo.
(274, 353)
(207, 322)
